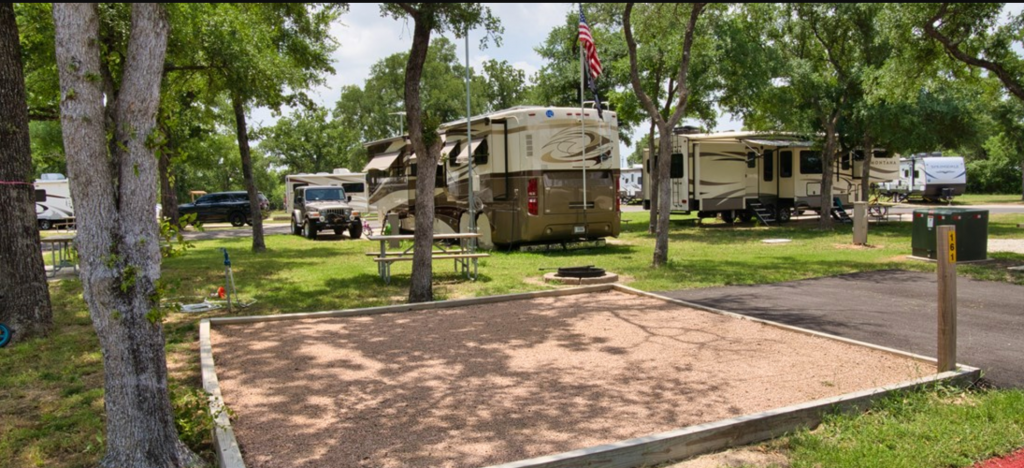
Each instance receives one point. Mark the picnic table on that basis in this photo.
(62, 253)
(462, 257)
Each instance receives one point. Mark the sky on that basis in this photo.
(364, 38)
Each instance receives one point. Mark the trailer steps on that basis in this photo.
(766, 216)
(839, 214)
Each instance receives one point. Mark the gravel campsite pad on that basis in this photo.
(489, 384)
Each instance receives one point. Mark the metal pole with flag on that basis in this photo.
(590, 67)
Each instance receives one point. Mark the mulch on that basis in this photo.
(1013, 460)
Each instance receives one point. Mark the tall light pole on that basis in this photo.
(469, 143)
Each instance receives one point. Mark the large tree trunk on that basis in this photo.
(117, 232)
(250, 183)
(24, 296)
(168, 197)
(865, 170)
(420, 289)
(664, 195)
(652, 176)
(827, 160)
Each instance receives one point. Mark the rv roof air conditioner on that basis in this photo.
(52, 176)
(686, 130)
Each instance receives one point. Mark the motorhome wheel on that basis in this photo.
(784, 214)
(44, 224)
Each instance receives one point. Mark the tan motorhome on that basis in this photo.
(729, 174)
(531, 167)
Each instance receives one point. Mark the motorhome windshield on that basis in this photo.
(325, 194)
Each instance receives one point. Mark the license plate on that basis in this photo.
(579, 229)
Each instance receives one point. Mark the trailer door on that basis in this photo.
(677, 176)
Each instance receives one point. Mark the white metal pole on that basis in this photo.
(583, 135)
(469, 142)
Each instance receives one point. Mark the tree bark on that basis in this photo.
(117, 232)
(865, 170)
(168, 197)
(652, 175)
(420, 289)
(24, 295)
(250, 183)
(827, 160)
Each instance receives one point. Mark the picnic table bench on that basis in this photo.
(461, 257)
(62, 253)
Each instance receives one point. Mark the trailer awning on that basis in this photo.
(382, 162)
(463, 157)
(778, 143)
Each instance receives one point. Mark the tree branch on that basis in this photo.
(953, 48)
(634, 76)
(684, 66)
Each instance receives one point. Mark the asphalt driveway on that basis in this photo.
(893, 308)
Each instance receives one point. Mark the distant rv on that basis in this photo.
(530, 167)
(53, 201)
(728, 174)
(930, 176)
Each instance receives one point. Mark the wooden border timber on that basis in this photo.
(672, 445)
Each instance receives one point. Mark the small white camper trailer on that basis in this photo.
(929, 176)
(53, 201)
(354, 184)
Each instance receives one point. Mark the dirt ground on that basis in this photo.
(483, 385)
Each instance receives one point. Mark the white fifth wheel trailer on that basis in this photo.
(354, 184)
(929, 176)
(53, 201)
(541, 175)
(731, 174)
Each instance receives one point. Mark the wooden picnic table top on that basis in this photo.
(56, 239)
(454, 235)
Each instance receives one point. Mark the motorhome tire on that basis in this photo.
(44, 224)
(310, 231)
(355, 230)
(784, 214)
(236, 219)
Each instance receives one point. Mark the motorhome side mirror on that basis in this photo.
(348, 198)
(298, 199)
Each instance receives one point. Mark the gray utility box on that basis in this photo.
(971, 232)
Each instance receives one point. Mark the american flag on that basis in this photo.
(588, 45)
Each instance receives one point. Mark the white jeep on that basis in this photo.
(319, 207)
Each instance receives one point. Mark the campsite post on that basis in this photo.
(947, 296)
(860, 223)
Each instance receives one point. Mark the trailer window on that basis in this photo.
(858, 155)
(785, 164)
(882, 154)
(354, 187)
(480, 154)
(769, 167)
(844, 162)
(751, 160)
(677, 166)
(454, 154)
(40, 196)
(810, 162)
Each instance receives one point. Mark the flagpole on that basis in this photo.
(469, 146)
(583, 135)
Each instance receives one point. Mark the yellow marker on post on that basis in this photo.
(952, 246)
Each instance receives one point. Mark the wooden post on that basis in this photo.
(394, 223)
(860, 223)
(946, 242)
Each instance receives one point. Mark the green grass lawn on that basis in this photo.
(51, 389)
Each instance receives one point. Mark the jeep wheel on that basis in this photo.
(355, 230)
(296, 229)
(236, 219)
(310, 231)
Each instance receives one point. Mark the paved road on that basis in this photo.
(894, 309)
